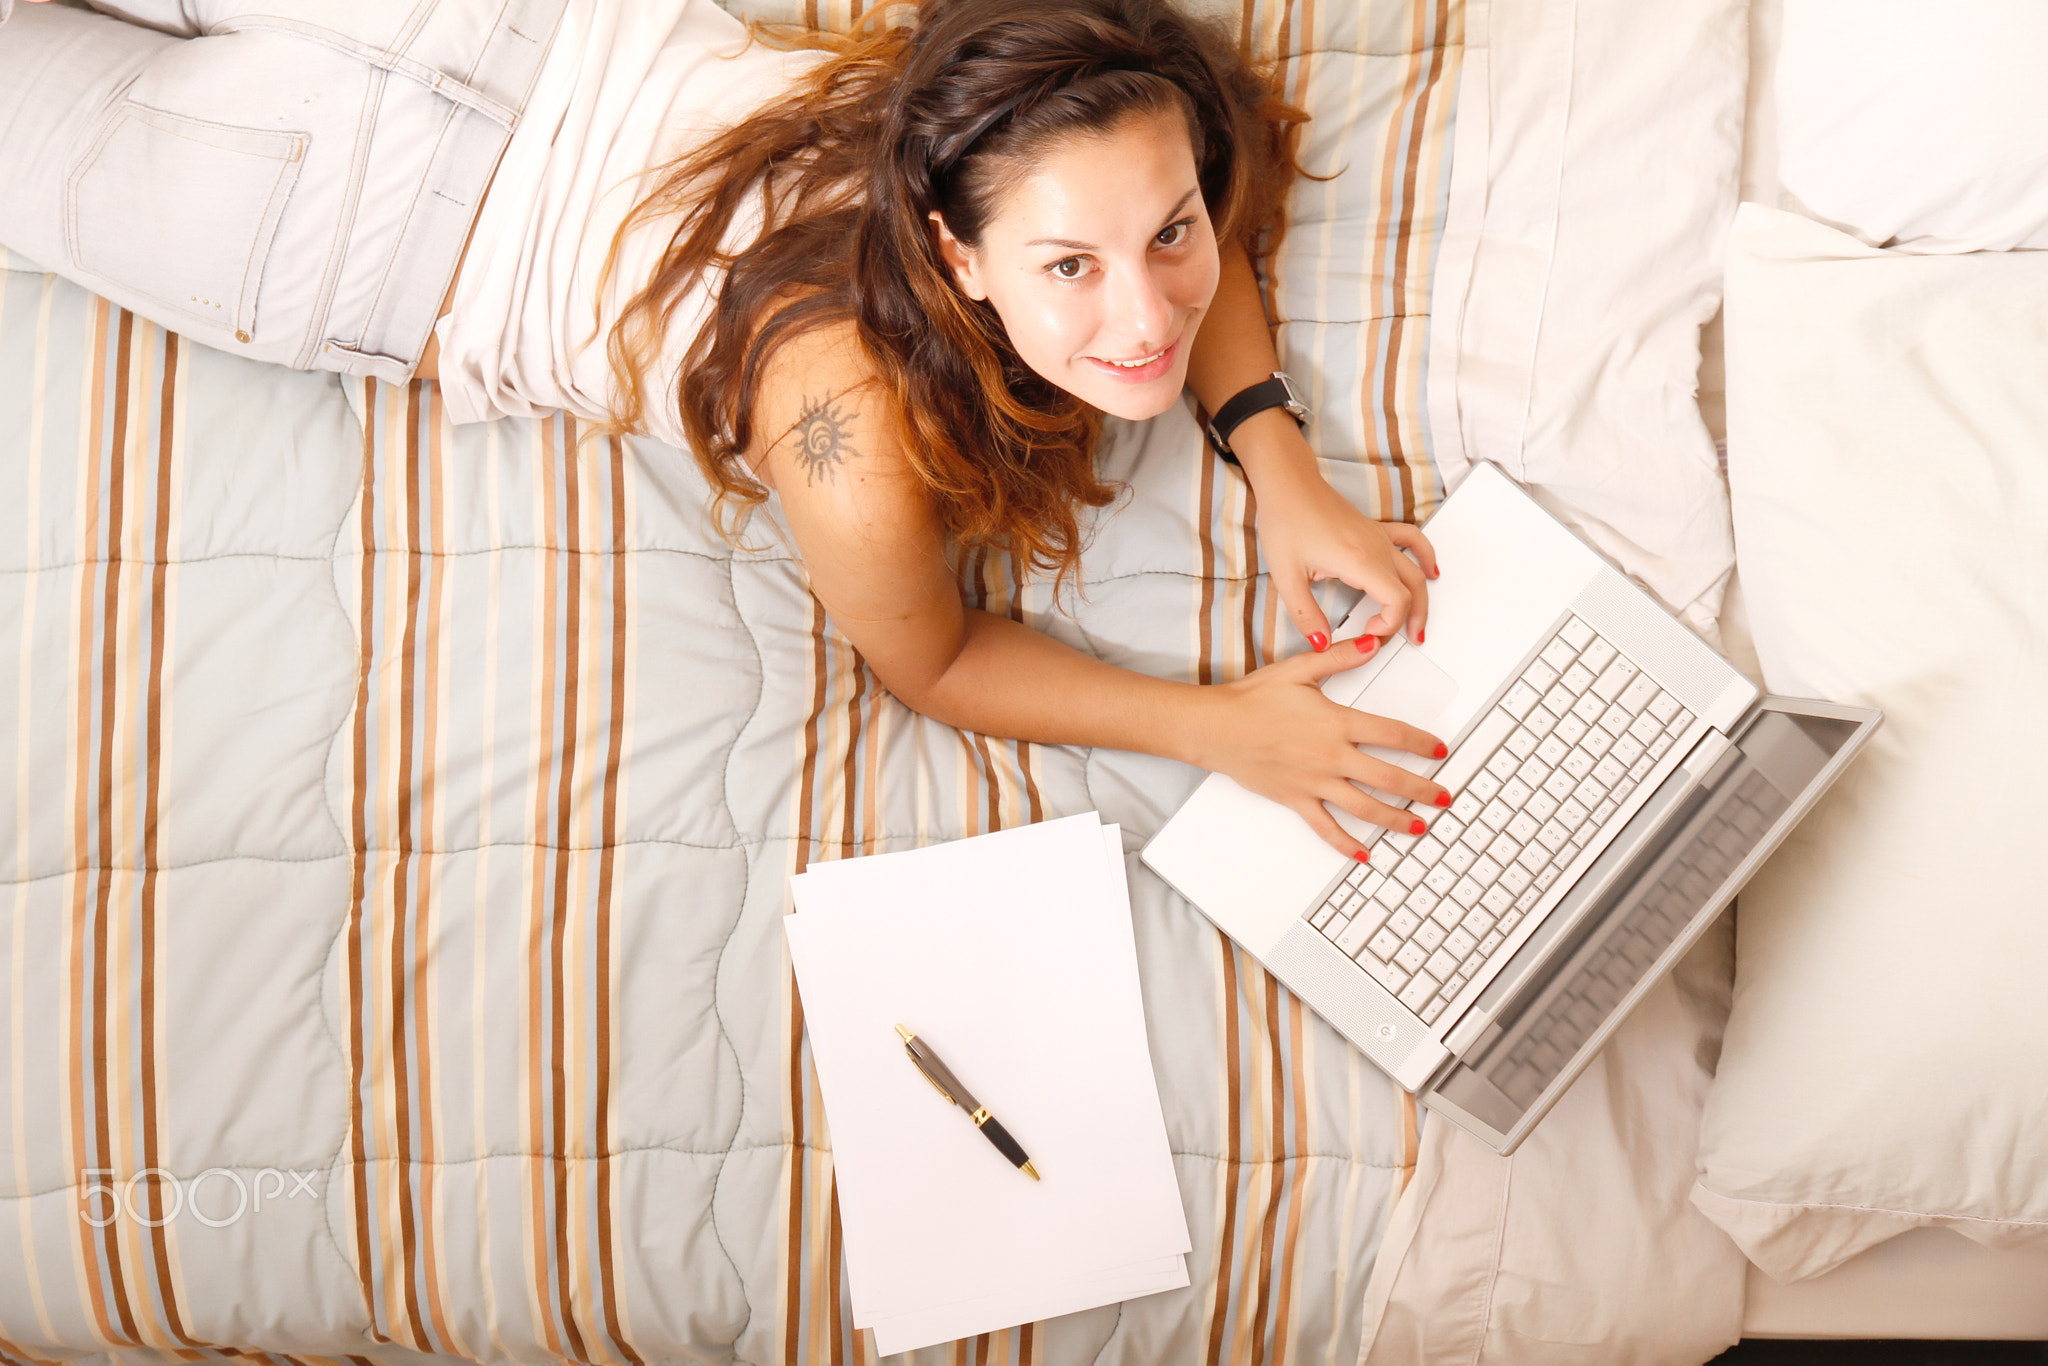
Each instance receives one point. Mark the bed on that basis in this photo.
(403, 812)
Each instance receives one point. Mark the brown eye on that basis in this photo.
(1069, 269)
(1173, 234)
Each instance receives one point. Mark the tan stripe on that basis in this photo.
(399, 1085)
(353, 1002)
(807, 777)
(1250, 583)
(152, 792)
(614, 751)
(1411, 1135)
(1205, 548)
(564, 805)
(1034, 803)
(834, 1247)
(1275, 1168)
(536, 1080)
(110, 615)
(1220, 1309)
(1302, 1168)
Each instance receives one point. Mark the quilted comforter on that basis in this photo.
(399, 817)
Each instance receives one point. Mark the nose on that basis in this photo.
(1139, 303)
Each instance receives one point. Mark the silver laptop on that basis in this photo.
(1614, 784)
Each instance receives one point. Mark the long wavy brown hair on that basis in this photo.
(902, 119)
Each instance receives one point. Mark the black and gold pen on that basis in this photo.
(946, 1084)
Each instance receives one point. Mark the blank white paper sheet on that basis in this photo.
(1012, 955)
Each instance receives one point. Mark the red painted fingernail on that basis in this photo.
(1437, 572)
(1319, 641)
(1367, 644)
(1441, 752)
(1443, 798)
(1418, 637)
(1362, 856)
(1416, 829)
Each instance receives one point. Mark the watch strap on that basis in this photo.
(1275, 392)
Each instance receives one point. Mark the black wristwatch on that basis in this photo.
(1277, 392)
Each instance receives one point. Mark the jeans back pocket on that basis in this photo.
(182, 211)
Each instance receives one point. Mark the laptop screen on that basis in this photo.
(1680, 857)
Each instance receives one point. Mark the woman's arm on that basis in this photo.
(875, 555)
(1307, 530)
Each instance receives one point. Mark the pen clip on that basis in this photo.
(907, 1037)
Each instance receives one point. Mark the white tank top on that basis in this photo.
(628, 85)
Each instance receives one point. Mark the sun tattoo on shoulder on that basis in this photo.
(824, 438)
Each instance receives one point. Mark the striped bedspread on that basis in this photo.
(399, 820)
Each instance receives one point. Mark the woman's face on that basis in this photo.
(1101, 261)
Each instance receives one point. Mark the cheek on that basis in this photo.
(1048, 326)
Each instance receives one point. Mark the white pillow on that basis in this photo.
(1914, 125)
(1886, 1061)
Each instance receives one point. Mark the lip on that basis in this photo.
(1143, 374)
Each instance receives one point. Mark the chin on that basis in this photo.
(1136, 407)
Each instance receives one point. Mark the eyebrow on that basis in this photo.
(1090, 246)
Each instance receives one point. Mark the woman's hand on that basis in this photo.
(1277, 734)
(1308, 532)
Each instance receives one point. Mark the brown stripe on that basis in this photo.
(433, 566)
(1276, 1168)
(110, 614)
(615, 741)
(359, 800)
(1283, 1313)
(1025, 1335)
(850, 770)
(151, 796)
(833, 1272)
(536, 912)
(1204, 671)
(1228, 1239)
(1432, 69)
(400, 1089)
(564, 797)
(988, 779)
(806, 795)
(1250, 528)
(1246, 23)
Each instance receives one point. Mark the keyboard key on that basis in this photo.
(1422, 900)
(1543, 880)
(1461, 857)
(1404, 921)
(1628, 749)
(1480, 919)
(1534, 857)
(1678, 723)
(1441, 879)
(1541, 805)
(1441, 965)
(1496, 815)
(1553, 836)
(1540, 722)
(1609, 772)
(1664, 706)
(1570, 729)
(1532, 773)
(1558, 701)
(1467, 807)
(1517, 793)
(1410, 871)
(1447, 913)
(1433, 1009)
(1559, 654)
(1578, 763)
(1577, 679)
(1504, 849)
(1485, 787)
(1516, 878)
(1521, 742)
(1615, 721)
(1429, 935)
(1571, 815)
(1561, 784)
(1641, 769)
(1447, 828)
(1659, 745)
(1485, 871)
(1429, 849)
(1492, 941)
(1590, 793)
(1620, 792)
(1589, 708)
(1454, 986)
(1497, 899)
(1467, 893)
(1419, 990)
(1514, 917)
(1460, 944)
(1638, 694)
(1553, 750)
(1389, 975)
(1524, 827)
(1354, 938)
(1322, 915)
(1503, 764)
(1597, 742)
(1519, 699)
(1577, 632)
(1411, 957)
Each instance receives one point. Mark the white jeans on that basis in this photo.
(290, 180)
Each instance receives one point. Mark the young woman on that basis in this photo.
(893, 283)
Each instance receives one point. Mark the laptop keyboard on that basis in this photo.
(1560, 749)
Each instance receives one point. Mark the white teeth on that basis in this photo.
(1135, 364)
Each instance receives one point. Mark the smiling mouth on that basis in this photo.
(1139, 369)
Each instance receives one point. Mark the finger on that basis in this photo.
(1348, 797)
(1302, 607)
(1345, 654)
(1325, 825)
(1410, 538)
(1418, 602)
(1396, 781)
(1395, 597)
(1387, 733)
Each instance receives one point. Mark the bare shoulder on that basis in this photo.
(821, 419)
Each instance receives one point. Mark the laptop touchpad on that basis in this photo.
(1410, 688)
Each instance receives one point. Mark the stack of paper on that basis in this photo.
(1012, 956)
